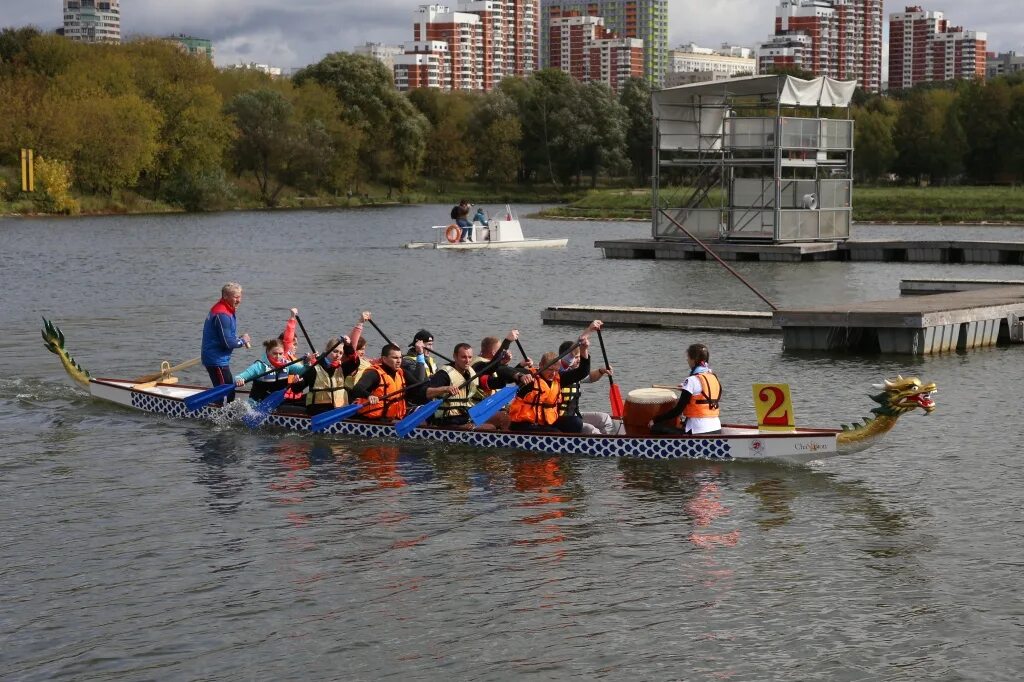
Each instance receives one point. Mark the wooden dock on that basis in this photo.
(922, 286)
(918, 325)
(886, 251)
(671, 318)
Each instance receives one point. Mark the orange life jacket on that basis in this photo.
(540, 406)
(390, 408)
(705, 404)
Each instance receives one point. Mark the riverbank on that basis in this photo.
(888, 205)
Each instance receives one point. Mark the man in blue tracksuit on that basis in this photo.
(220, 335)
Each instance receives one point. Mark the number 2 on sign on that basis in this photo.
(774, 407)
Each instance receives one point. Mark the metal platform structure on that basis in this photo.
(753, 159)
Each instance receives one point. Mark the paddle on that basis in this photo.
(614, 395)
(298, 319)
(201, 400)
(383, 335)
(164, 372)
(428, 350)
(489, 406)
(324, 420)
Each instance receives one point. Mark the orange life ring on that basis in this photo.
(453, 233)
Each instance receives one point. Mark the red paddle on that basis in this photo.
(614, 396)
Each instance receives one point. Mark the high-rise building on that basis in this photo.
(199, 47)
(92, 21)
(646, 20)
(837, 38)
(487, 40)
(924, 47)
(583, 48)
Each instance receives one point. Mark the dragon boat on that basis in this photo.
(896, 397)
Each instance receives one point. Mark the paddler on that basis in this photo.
(379, 384)
(570, 418)
(325, 380)
(276, 359)
(536, 406)
(418, 364)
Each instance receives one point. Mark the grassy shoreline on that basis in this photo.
(872, 205)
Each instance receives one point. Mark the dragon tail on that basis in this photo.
(53, 339)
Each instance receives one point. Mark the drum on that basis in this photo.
(642, 404)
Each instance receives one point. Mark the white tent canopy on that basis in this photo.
(690, 117)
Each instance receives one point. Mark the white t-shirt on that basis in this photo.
(692, 385)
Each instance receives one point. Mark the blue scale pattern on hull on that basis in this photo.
(639, 448)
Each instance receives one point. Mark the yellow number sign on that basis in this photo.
(774, 407)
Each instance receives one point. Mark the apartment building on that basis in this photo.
(487, 41)
(645, 20)
(382, 52)
(92, 21)
(1003, 64)
(924, 47)
(694, 64)
(837, 38)
(582, 47)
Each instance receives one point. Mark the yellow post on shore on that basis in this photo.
(28, 180)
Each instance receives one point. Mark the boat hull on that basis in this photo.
(735, 442)
(470, 246)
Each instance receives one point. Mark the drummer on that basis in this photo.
(698, 399)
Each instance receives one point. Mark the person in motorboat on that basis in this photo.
(378, 386)
(479, 217)
(570, 418)
(458, 384)
(460, 214)
(698, 399)
(220, 335)
(418, 364)
(536, 406)
(276, 359)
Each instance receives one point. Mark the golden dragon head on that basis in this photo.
(902, 395)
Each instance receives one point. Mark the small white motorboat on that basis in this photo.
(504, 233)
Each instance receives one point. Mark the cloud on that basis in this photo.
(294, 33)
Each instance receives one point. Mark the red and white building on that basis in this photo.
(583, 48)
(841, 39)
(425, 64)
(924, 47)
(486, 40)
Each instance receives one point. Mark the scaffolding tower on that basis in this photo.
(751, 159)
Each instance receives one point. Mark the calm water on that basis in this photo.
(138, 547)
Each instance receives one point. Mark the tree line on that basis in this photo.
(146, 117)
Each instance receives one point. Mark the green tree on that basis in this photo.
(873, 142)
(449, 152)
(984, 111)
(118, 141)
(636, 98)
(494, 135)
(546, 102)
(930, 141)
(265, 143)
(601, 128)
(394, 132)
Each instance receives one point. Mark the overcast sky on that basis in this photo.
(293, 33)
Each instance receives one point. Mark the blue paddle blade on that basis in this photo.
(260, 413)
(422, 413)
(201, 400)
(323, 421)
(489, 406)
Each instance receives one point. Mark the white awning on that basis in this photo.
(786, 90)
(691, 117)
